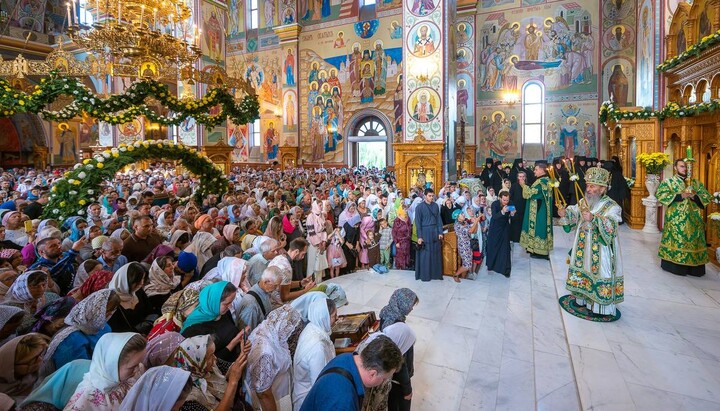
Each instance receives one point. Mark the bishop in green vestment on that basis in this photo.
(683, 250)
(537, 235)
(595, 275)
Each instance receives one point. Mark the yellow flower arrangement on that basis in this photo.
(82, 202)
(100, 165)
(654, 163)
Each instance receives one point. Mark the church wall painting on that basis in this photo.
(238, 138)
(619, 44)
(341, 74)
(571, 129)
(316, 11)
(213, 21)
(557, 46)
(498, 133)
(646, 55)
(88, 131)
(65, 148)
(465, 59)
(618, 78)
(236, 19)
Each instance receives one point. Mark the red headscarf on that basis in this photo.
(97, 281)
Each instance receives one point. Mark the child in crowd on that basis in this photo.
(373, 250)
(386, 241)
(335, 255)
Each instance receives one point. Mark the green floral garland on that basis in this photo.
(123, 108)
(610, 111)
(693, 51)
(81, 186)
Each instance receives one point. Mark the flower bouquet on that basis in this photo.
(654, 163)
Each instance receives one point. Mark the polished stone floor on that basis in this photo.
(498, 343)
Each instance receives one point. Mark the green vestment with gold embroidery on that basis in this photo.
(595, 271)
(683, 235)
(537, 235)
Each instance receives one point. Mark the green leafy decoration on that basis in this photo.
(123, 108)
(610, 111)
(692, 51)
(80, 186)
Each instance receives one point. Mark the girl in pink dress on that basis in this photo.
(335, 255)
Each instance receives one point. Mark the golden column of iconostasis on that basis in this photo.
(427, 53)
(289, 35)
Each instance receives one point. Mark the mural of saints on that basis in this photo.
(533, 42)
(354, 69)
(289, 68)
(367, 82)
(398, 107)
(422, 7)
(462, 99)
(312, 98)
(214, 36)
(500, 136)
(424, 110)
(569, 136)
(67, 144)
(269, 11)
(271, 141)
(238, 139)
(553, 148)
(380, 68)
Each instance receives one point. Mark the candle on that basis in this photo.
(142, 14)
(689, 152)
(69, 23)
(119, 15)
(74, 11)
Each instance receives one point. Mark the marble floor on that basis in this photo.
(505, 344)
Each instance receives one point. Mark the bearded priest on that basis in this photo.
(683, 250)
(595, 276)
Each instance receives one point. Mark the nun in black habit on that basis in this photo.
(498, 246)
(517, 199)
(429, 228)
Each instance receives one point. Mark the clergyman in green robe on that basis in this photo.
(683, 250)
(537, 231)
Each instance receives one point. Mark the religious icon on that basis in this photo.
(424, 105)
(339, 41)
(424, 40)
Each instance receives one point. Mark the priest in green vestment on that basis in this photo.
(683, 250)
(537, 235)
(595, 275)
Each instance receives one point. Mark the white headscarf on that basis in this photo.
(121, 285)
(157, 390)
(400, 333)
(201, 245)
(101, 388)
(303, 303)
(229, 269)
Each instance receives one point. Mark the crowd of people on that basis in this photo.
(141, 301)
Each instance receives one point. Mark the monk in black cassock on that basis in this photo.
(498, 245)
(517, 199)
(429, 228)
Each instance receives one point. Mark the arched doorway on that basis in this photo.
(369, 142)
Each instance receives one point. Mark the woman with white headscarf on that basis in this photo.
(116, 365)
(201, 246)
(232, 270)
(165, 223)
(317, 237)
(314, 349)
(158, 390)
(134, 307)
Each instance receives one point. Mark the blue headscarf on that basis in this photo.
(8, 205)
(57, 388)
(76, 234)
(208, 308)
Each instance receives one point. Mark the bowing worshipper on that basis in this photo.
(315, 348)
(230, 236)
(162, 350)
(86, 324)
(683, 248)
(133, 313)
(159, 389)
(55, 390)
(401, 303)
(595, 275)
(499, 253)
(537, 235)
(179, 239)
(29, 293)
(232, 270)
(351, 243)
(116, 365)
(201, 246)
(268, 375)
(429, 228)
(86, 268)
(517, 199)
(210, 389)
(10, 319)
(162, 282)
(256, 303)
(21, 358)
(212, 316)
(396, 393)
(95, 282)
(174, 312)
(49, 318)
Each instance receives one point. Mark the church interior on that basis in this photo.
(427, 89)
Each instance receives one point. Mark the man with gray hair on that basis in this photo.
(269, 249)
(111, 256)
(255, 305)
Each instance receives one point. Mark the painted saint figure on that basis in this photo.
(423, 7)
(367, 85)
(424, 43)
(423, 111)
(271, 145)
(380, 69)
(290, 68)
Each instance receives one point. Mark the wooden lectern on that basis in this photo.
(449, 251)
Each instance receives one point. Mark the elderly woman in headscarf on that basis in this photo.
(161, 350)
(158, 390)
(315, 348)
(116, 365)
(165, 223)
(317, 237)
(212, 316)
(86, 323)
(347, 214)
(21, 358)
(51, 317)
(162, 282)
(201, 246)
(232, 270)
(402, 301)
(131, 315)
(77, 226)
(29, 293)
(402, 236)
(174, 312)
(269, 361)
(10, 319)
(14, 230)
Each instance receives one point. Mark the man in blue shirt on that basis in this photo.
(111, 258)
(341, 384)
(62, 270)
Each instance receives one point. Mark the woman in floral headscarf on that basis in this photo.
(174, 312)
(162, 349)
(162, 282)
(197, 355)
(98, 280)
(11, 258)
(28, 293)
(269, 361)
(51, 317)
(86, 323)
(402, 301)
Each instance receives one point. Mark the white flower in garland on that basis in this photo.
(81, 212)
(100, 159)
(91, 192)
(73, 192)
(72, 181)
(55, 211)
(574, 177)
(89, 166)
(123, 149)
(555, 184)
(77, 166)
(106, 154)
(81, 175)
(136, 144)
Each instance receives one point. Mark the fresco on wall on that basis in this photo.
(341, 74)
(65, 148)
(212, 38)
(619, 51)
(236, 18)
(646, 55)
(187, 132)
(315, 11)
(238, 138)
(558, 48)
(105, 133)
(498, 131)
(486, 4)
(29, 14)
(129, 132)
(465, 76)
(571, 130)
(88, 131)
(387, 4)
(618, 77)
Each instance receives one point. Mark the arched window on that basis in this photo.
(533, 113)
(253, 14)
(371, 127)
(370, 142)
